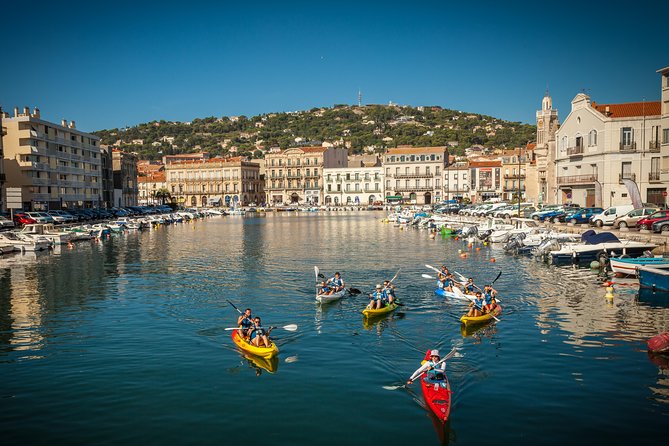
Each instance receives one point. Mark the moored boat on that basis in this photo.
(472, 320)
(652, 278)
(263, 352)
(627, 265)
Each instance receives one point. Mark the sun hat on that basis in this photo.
(434, 353)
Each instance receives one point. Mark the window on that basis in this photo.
(627, 136)
(626, 170)
(665, 136)
(592, 138)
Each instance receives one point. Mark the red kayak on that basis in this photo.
(437, 395)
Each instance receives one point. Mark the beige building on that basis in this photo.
(295, 175)
(514, 174)
(413, 174)
(215, 182)
(456, 182)
(663, 138)
(3, 177)
(609, 153)
(148, 186)
(56, 166)
(547, 125)
(124, 166)
(353, 186)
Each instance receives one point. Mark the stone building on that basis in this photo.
(124, 166)
(413, 175)
(547, 125)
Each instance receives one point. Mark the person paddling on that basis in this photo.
(489, 300)
(389, 289)
(470, 288)
(477, 306)
(336, 282)
(325, 290)
(258, 333)
(435, 371)
(245, 323)
(379, 297)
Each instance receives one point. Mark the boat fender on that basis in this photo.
(659, 343)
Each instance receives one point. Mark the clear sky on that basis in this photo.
(111, 64)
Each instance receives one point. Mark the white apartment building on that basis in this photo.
(413, 175)
(600, 146)
(56, 166)
(485, 180)
(357, 186)
(456, 182)
(664, 123)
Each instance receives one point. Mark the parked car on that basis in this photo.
(41, 217)
(609, 215)
(544, 210)
(647, 222)
(6, 223)
(21, 219)
(57, 217)
(661, 225)
(630, 219)
(581, 215)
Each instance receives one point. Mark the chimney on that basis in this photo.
(26, 111)
(608, 112)
(63, 122)
(36, 112)
(72, 125)
(16, 112)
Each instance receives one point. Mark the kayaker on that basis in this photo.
(379, 297)
(434, 370)
(325, 290)
(245, 322)
(258, 333)
(489, 294)
(477, 306)
(336, 282)
(389, 289)
(470, 288)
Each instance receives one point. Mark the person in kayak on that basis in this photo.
(245, 323)
(389, 289)
(325, 290)
(470, 288)
(476, 307)
(336, 282)
(489, 294)
(434, 370)
(379, 298)
(258, 333)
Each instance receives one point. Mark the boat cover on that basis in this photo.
(590, 237)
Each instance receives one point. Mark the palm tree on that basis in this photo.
(163, 195)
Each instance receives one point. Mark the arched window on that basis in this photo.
(592, 138)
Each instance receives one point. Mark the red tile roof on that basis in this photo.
(629, 109)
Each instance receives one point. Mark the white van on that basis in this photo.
(608, 216)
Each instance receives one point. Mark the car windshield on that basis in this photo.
(657, 214)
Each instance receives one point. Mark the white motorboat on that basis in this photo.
(6, 247)
(597, 246)
(520, 225)
(25, 242)
(48, 231)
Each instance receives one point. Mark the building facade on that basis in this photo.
(547, 125)
(357, 186)
(514, 169)
(609, 154)
(56, 166)
(124, 166)
(485, 180)
(413, 175)
(150, 189)
(107, 175)
(295, 175)
(663, 137)
(456, 182)
(3, 177)
(215, 182)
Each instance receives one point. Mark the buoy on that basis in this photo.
(463, 255)
(478, 248)
(492, 259)
(470, 245)
(485, 243)
(609, 292)
(432, 235)
(459, 251)
(594, 264)
(456, 238)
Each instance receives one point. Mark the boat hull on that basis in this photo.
(322, 298)
(473, 320)
(381, 311)
(627, 266)
(262, 352)
(655, 279)
(576, 257)
(437, 395)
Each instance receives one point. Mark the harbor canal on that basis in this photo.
(124, 341)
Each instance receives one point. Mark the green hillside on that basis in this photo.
(371, 128)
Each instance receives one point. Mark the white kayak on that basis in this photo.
(455, 294)
(325, 298)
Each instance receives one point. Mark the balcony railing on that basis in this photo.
(574, 151)
(513, 176)
(414, 189)
(654, 146)
(413, 175)
(628, 147)
(577, 179)
(654, 176)
(626, 176)
(513, 189)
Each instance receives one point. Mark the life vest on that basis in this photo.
(246, 323)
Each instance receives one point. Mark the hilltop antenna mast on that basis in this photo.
(359, 98)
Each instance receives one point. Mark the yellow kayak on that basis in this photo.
(268, 364)
(387, 309)
(263, 352)
(471, 320)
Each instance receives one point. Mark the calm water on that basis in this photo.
(123, 341)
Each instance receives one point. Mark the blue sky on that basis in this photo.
(117, 64)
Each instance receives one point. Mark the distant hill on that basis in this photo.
(368, 128)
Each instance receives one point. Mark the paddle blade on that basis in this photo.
(354, 291)
(427, 276)
(432, 268)
(498, 275)
(290, 327)
(392, 387)
(316, 271)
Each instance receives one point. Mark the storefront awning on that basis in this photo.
(393, 197)
(215, 199)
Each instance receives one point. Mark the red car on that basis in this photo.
(647, 222)
(22, 219)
